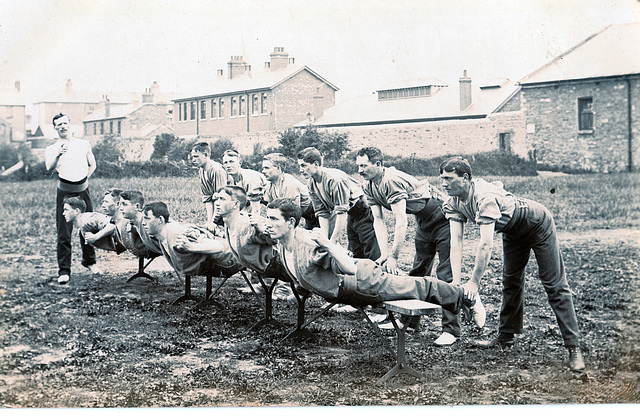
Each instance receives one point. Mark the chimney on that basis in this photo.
(279, 58)
(465, 91)
(68, 85)
(220, 74)
(237, 66)
(17, 85)
(154, 88)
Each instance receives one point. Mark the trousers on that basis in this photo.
(532, 228)
(65, 229)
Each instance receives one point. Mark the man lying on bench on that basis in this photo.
(172, 237)
(325, 268)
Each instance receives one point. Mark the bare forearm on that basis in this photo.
(398, 237)
(339, 228)
(341, 256)
(382, 236)
(483, 254)
(209, 208)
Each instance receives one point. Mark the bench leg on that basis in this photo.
(210, 295)
(246, 279)
(376, 330)
(401, 366)
(300, 330)
(141, 272)
(268, 306)
(187, 292)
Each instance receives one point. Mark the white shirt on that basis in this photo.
(73, 165)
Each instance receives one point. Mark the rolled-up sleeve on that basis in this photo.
(488, 210)
(394, 191)
(451, 212)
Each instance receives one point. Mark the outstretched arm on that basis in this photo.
(91, 238)
(339, 254)
(399, 210)
(483, 253)
(382, 237)
(457, 233)
(203, 245)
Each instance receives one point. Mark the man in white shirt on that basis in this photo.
(73, 159)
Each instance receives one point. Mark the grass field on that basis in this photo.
(104, 342)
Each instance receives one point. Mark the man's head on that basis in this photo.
(369, 161)
(131, 202)
(110, 201)
(61, 124)
(156, 215)
(231, 161)
(283, 216)
(273, 166)
(229, 199)
(200, 153)
(73, 207)
(309, 161)
(455, 173)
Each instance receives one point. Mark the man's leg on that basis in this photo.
(64, 230)
(516, 256)
(450, 322)
(88, 251)
(554, 280)
(362, 236)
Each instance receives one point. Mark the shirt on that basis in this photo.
(213, 177)
(335, 192)
(252, 181)
(251, 248)
(486, 203)
(287, 186)
(73, 165)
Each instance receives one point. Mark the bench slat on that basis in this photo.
(411, 307)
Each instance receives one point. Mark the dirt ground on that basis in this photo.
(102, 341)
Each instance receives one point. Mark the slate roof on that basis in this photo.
(262, 80)
(443, 104)
(613, 51)
(93, 97)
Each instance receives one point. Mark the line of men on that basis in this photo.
(334, 203)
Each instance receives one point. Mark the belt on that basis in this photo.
(518, 214)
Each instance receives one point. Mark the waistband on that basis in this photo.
(69, 186)
(518, 214)
(358, 208)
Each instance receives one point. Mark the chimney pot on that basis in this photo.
(465, 91)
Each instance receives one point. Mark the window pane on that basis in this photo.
(203, 110)
(585, 113)
(221, 109)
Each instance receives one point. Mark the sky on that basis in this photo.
(357, 45)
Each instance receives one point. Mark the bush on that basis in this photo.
(332, 146)
(108, 149)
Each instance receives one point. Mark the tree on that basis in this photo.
(332, 146)
(162, 145)
(108, 150)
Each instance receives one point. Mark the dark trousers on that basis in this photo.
(310, 219)
(534, 229)
(433, 236)
(360, 233)
(64, 234)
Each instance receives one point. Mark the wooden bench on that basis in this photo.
(411, 307)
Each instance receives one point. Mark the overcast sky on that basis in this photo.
(358, 45)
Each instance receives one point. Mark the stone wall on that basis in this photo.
(552, 124)
(425, 140)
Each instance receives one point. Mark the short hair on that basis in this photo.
(231, 153)
(114, 192)
(76, 203)
(237, 193)
(310, 155)
(202, 147)
(289, 208)
(158, 209)
(373, 153)
(135, 197)
(278, 159)
(57, 116)
(457, 164)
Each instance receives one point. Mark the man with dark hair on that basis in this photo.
(172, 237)
(326, 269)
(525, 226)
(74, 162)
(284, 185)
(132, 234)
(403, 194)
(212, 177)
(252, 181)
(339, 204)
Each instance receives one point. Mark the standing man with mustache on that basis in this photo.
(74, 161)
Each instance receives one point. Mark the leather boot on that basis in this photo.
(576, 360)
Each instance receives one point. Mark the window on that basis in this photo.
(111, 127)
(192, 108)
(203, 110)
(95, 128)
(214, 109)
(119, 127)
(505, 142)
(263, 104)
(243, 105)
(254, 104)
(585, 114)
(221, 108)
(234, 106)
(101, 127)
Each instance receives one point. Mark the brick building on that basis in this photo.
(247, 101)
(12, 115)
(582, 109)
(426, 117)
